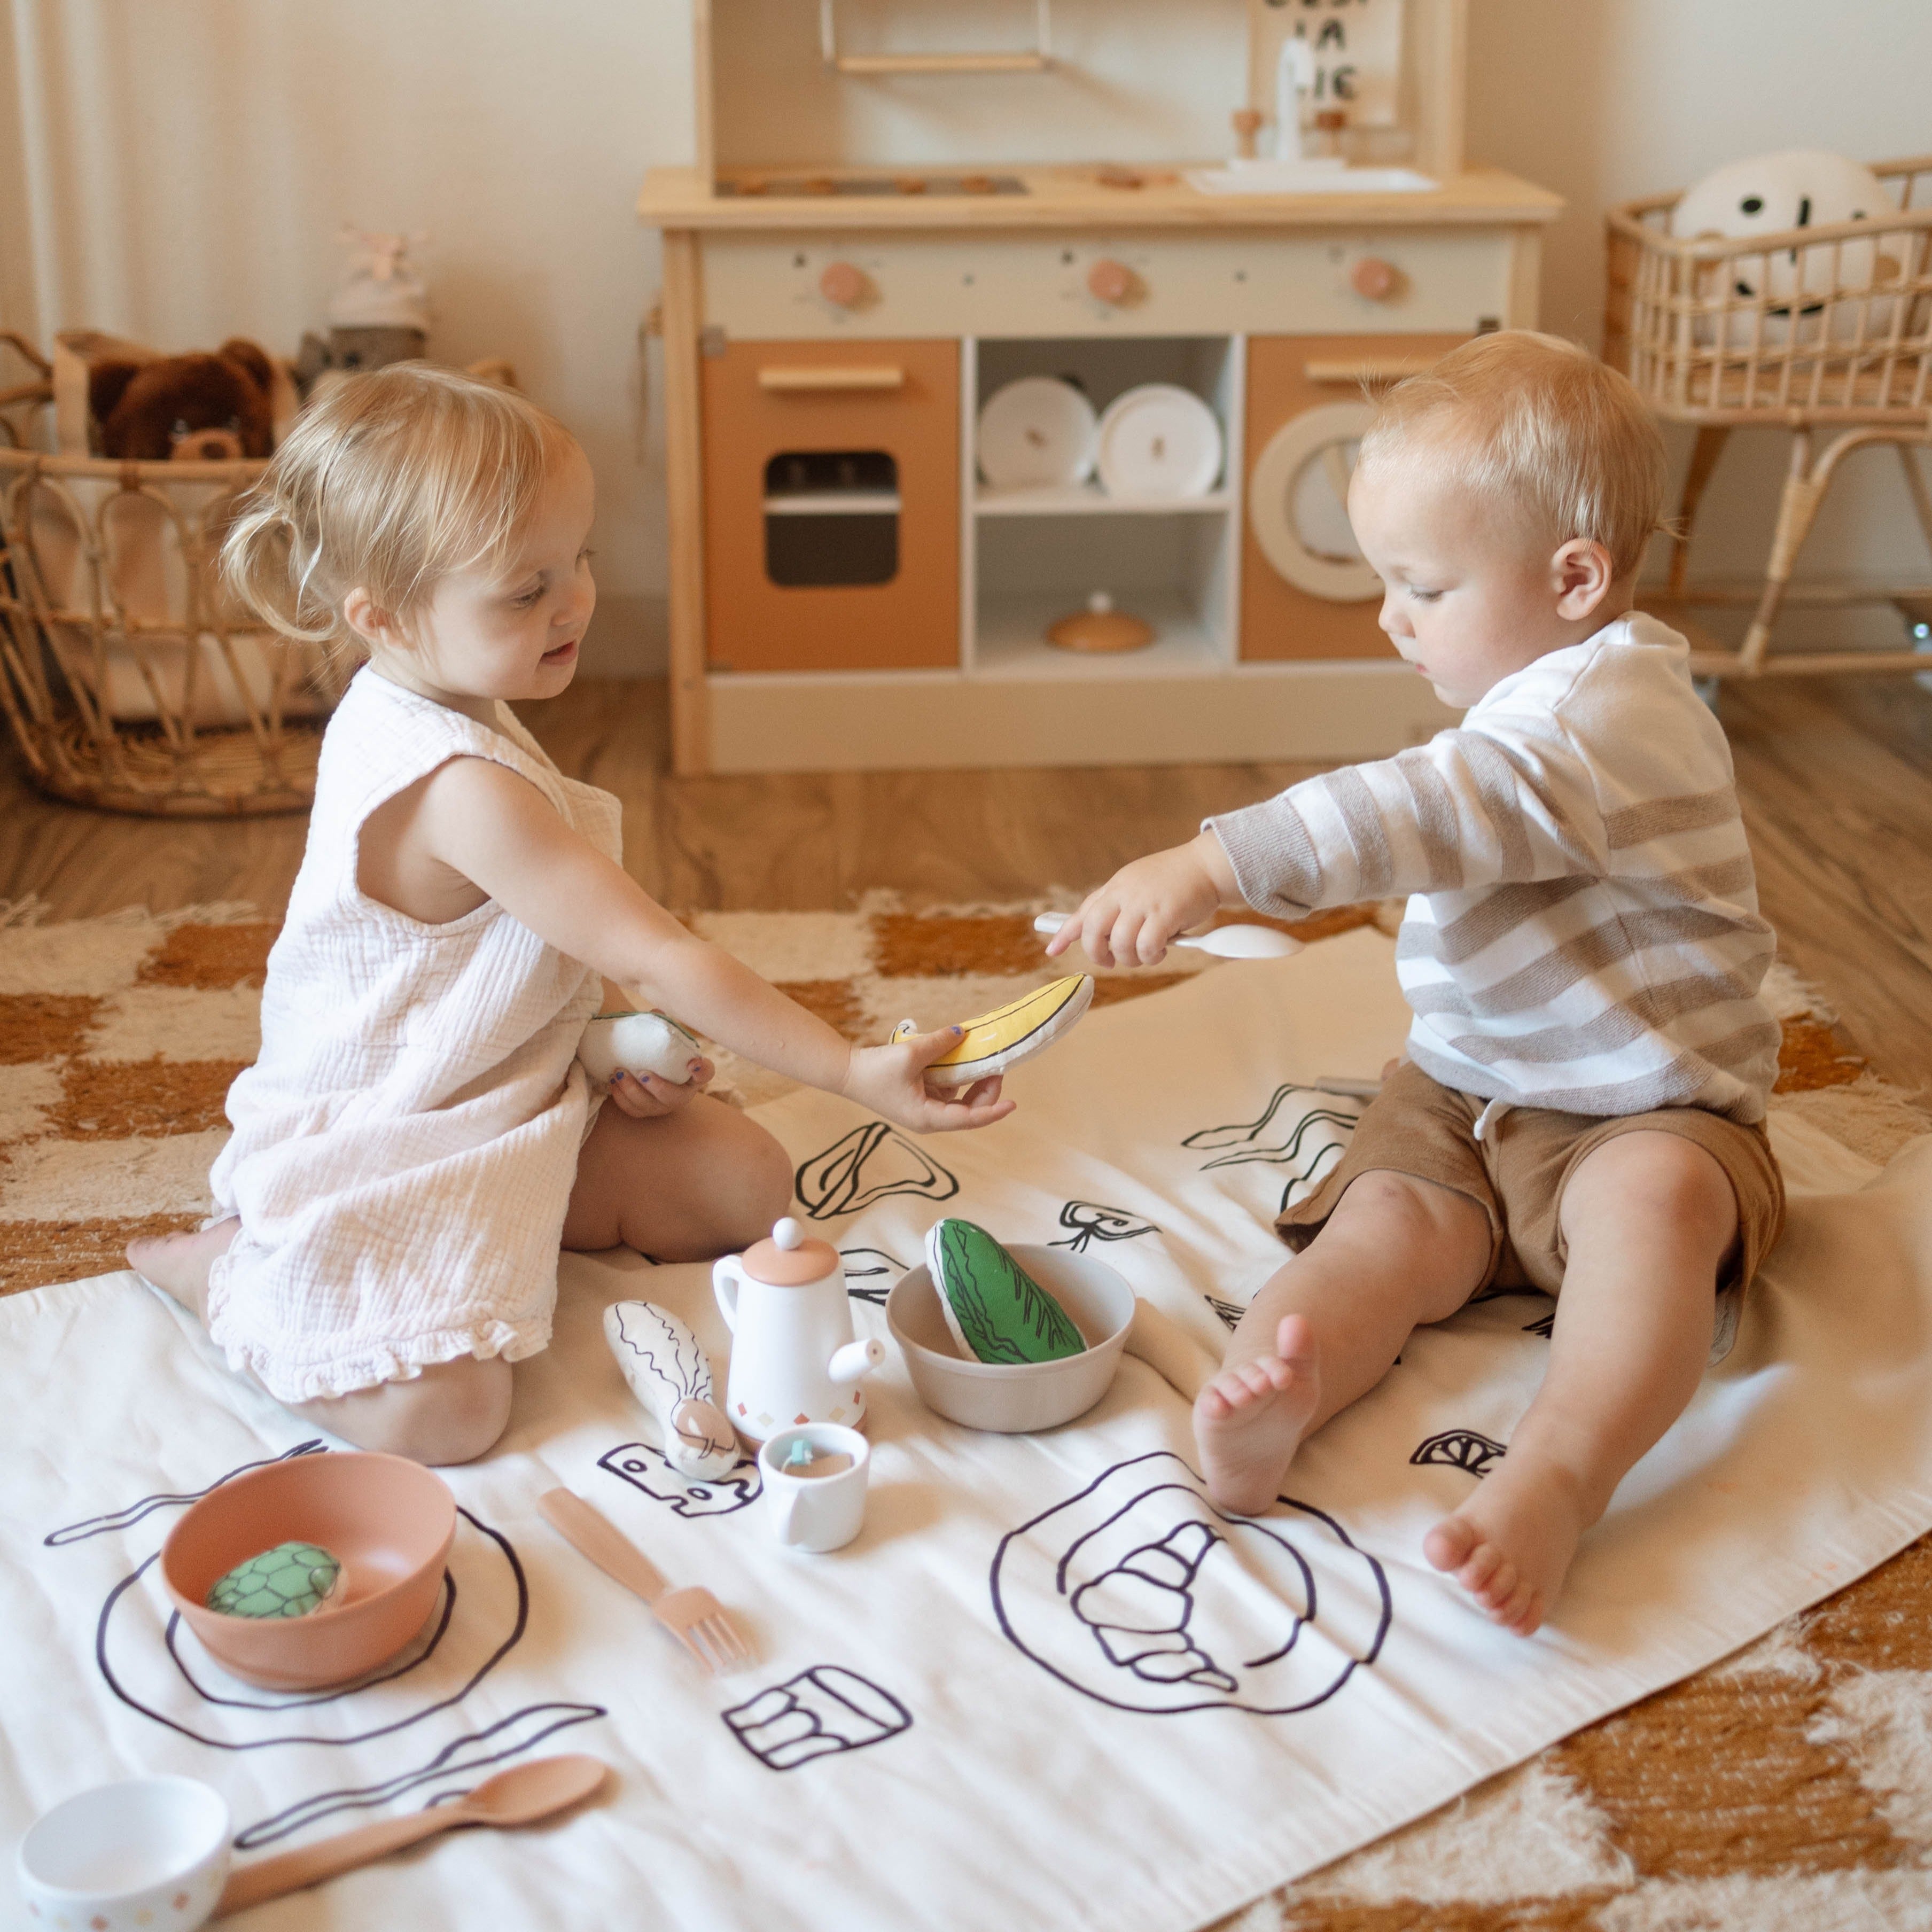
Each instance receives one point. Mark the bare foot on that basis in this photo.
(1510, 1544)
(177, 1264)
(1250, 1419)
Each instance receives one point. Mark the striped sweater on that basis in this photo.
(1582, 931)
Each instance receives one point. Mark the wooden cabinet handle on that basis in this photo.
(1111, 282)
(1375, 279)
(783, 381)
(1378, 370)
(845, 284)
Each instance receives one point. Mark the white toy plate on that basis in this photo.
(1035, 434)
(1159, 440)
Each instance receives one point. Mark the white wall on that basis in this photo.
(181, 167)
(1606, 100)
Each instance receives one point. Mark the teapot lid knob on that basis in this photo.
(786, 1233)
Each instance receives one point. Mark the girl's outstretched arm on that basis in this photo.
(482, 820)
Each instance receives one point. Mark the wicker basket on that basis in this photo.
(1838, 334)
(130, 680)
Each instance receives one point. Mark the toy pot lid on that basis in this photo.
(789, 1257)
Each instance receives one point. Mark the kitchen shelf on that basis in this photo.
(1012, 642)
(1089, 499)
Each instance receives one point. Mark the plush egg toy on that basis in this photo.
(638, 1043)
(1772, 194)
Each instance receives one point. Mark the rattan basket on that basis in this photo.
(1825, 328)
(131, 681)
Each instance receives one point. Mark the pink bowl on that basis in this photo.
(389, 1522)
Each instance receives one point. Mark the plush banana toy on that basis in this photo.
(1008, 1034)
(637, 1043)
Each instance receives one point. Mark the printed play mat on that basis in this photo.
(1050, 1685)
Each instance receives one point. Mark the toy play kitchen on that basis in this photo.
(981, 319)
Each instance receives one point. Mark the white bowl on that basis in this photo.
(1035, 434)
(153, 1851)
(1014, 1397)
(1158, 441)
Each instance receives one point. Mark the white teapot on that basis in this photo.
(794, 1359)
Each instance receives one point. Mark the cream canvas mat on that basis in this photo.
(1049, 1685)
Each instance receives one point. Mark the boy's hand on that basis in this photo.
(1132, 919)
(890, 1081)
(649, 1096)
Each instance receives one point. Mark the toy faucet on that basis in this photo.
(794, 1356)
(1294, 80)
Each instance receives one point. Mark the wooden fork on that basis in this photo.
(693, 1615)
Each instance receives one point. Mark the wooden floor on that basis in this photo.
(1836, 778)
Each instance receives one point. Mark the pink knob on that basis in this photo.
(1375, 279)
(1110, 282)
(844, 285)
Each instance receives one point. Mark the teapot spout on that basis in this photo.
(856, 1359)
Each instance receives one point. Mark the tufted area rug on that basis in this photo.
(1790, 1786)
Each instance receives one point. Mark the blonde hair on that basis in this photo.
(392, 481)
(1540, 423)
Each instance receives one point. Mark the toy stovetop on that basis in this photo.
(1090, 196)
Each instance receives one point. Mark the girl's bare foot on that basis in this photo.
(1250, 1419)
(177, 1264)
(1510, 1546)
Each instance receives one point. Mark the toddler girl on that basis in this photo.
(417, 1138)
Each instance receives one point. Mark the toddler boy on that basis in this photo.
(1580, 1107)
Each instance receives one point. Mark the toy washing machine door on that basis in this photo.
(1306, 591)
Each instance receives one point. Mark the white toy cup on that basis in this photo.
(815, 1513)
(151, 1851)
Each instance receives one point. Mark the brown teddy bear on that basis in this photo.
(199, 409)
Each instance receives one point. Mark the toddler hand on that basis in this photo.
(1131, 920)
(890, 1081)
(649, 1096)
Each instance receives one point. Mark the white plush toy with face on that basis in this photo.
(1770, 194)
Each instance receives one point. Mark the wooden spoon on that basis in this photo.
(1239, 941)
(518, 1796)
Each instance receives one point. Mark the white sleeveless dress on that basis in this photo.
(405, 1147)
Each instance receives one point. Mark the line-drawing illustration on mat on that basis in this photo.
(869, 1273)
(1230, 1312)
(821, 1712)
(125, 1519)
(152, 1663)
(1467, 1449)
(644, 1468)
(1093, 1221)
(869, 1164)
(1321, 1132)
(1139, 1593)
(1544, 1325)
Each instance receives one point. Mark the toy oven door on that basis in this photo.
(831, 505)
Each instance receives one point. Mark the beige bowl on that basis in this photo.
(389, 1522)
(1014, 1397)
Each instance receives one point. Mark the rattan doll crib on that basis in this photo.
(1840, 344)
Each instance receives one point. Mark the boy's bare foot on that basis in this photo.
(1510, 1544)
(1250, 1419)
(177, 1264)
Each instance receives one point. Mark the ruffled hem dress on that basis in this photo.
(405, 1147)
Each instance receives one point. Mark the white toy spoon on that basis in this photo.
(1225, 942)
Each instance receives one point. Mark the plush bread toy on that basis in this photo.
(1008, 1034)
(997, 1312)
(638, 1043)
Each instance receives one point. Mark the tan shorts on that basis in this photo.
(1517, 1172)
